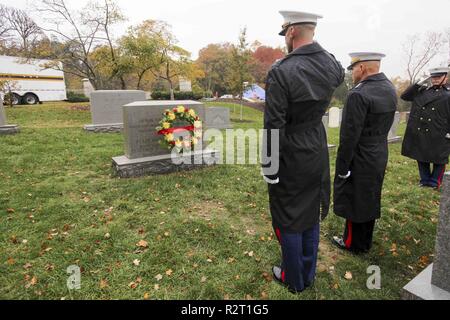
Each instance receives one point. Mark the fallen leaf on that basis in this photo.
(103, 283)
(169, 272)
(49, 267)
(203, 279)
(267, 277)
(142, 244)
(136, 262)
(348, 275)
(11, 261)
(10, 210)
(156, 286)
(146, 296)
(27, 265)
(158, 277)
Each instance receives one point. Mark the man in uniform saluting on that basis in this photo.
(363, 152)
(298, 93)
(427, 137)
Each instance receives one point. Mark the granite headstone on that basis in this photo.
(393, 137)
(434, 282)
(4, 127)
(143, 153)
(217, 118)
(106, 108)
(325, 124)
(335, 117)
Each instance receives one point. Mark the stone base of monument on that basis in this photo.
(421, 288)
(104, 128)
(131, 168)
(9, 129)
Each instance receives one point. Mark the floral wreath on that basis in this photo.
(167, 130)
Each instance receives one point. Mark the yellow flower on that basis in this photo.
(197, 124)
(192, 113)
(171, 116)
(194, 141)
(166, 125)
(198, 133)
(169, 137)
(178, 143)
(180, 109)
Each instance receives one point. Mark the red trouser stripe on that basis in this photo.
(348, 241)
(441, 177)
(278, 232)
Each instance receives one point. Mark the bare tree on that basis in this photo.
(25, 27)
(447, 35)
(4, 25)
(104, 15)
(81, 33)
(419, 53)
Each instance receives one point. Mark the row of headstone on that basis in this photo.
(108, 114)
(434, 282)
(4, 127)
(334, 120)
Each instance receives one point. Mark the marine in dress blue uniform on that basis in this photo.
(363, 151)
(427, 135)
(299, 89)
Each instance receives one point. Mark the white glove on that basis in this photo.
(269, 181)
(346, 176)
(423, 81)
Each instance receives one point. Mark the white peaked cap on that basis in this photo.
(364, 56)
(439, 71)
(297, 17)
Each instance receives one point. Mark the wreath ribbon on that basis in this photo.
(175, 130)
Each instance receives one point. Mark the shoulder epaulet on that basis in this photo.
(358, 86)
(280, 61)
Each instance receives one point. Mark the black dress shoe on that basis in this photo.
(276, 271)
(339, 242)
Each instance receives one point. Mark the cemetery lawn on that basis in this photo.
(195, 235)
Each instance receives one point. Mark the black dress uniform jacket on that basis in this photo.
(367, 118)
(298, 92)
(428, 125)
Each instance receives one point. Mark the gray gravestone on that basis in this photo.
(143, 153)
(5, 128)
(106, 108)
(217, 118)
(335, 117)
(434, 282)
(325, 124)
(393, 137)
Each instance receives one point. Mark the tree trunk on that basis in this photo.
(172, 93)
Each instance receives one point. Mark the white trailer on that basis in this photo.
(31, 81)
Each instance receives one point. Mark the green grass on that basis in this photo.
(58, 200)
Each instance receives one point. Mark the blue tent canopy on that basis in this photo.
(255, 92)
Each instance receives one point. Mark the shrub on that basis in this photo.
(165, 95)
(76, 97)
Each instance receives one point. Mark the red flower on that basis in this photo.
(186, 110)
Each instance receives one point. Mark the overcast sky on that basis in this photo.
(348, 25)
